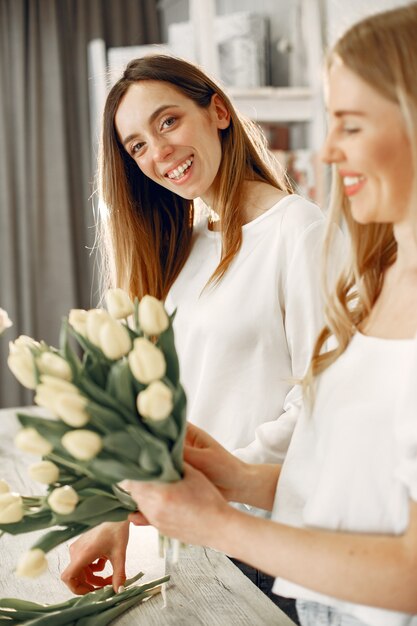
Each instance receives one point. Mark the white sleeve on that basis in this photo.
(304, 319)
(406, 428)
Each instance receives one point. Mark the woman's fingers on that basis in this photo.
(99, 565)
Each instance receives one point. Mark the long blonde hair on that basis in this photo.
(147, 229)
(382, 50)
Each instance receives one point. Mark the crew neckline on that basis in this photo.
(275, 207)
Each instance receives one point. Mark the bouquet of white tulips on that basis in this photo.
(118, 413)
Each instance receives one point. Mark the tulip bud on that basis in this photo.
(5, 321)
(70, 408)
(78, 319)
(21, 363)
(11, 508)
(82, 444)
(119, 305)
(95, 320)
(146, 361)
(155, 402)
(153, 318)
(4, 487)
(44, 472)
(49, 389)
(115, 341)
(29, 440)
(25, 341)
(63, 500)
(54, 365)
(32, 563)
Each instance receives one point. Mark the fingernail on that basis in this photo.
(121, 589)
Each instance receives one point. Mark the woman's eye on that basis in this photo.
(137, 148)
(350, 130)
(168, 122)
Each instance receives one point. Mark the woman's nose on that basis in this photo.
(330, 151)
(161, 149)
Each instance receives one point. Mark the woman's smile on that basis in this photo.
(173, 141)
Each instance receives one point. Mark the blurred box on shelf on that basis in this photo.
(304, 171)
(242, 45)
(277, 135)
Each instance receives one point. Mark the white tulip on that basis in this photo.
(32, 563)
(115, 341)
(63, 500)
(155, 402)
(54, 365)
(4, 487)
(25, 341)
(21, 363)
(153, 318)
(49, 389)
(29, 440)
(78, 319)
(44, 472)
(82, 444)
(70, 408)
(5, 321)
(118, 303)
(146, 361)
(11, 508)
(95, 320)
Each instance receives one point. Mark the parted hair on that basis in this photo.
(381, 50)
(146, 230)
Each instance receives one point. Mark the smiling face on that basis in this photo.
(173, 141)
(368, 143)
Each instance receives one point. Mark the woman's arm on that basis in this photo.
(237, 481)
(378, 570)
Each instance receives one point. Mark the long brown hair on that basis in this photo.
(382, 50)
(147, 229)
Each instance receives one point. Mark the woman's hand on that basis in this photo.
(225, 471)
(191, 510)
(90, 553)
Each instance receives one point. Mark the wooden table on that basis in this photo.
(206, 589)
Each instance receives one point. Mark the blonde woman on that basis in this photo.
(343, 534)
(246, 288)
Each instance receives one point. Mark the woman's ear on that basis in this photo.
(220, 112)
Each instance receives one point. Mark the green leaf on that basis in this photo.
(101, 397)
(167, 344)
(121, 441)
(114, 471)
(88, 509)
(66, 350)
(29, 523)
(124, 498)
(104, 419)
(56, 537)
(120, 385)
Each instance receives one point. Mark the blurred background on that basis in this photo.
(57, 61)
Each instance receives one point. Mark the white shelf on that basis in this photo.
(274, 104)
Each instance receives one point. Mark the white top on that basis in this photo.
(240, 342)
(352, 463)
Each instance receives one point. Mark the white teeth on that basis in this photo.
(352, 180)
(179, 171)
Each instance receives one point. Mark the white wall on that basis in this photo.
(343, 13)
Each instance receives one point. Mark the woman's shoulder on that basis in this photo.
(301, 212)
(265, 199)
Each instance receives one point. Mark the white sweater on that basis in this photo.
(352, 463)
(241, 342)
